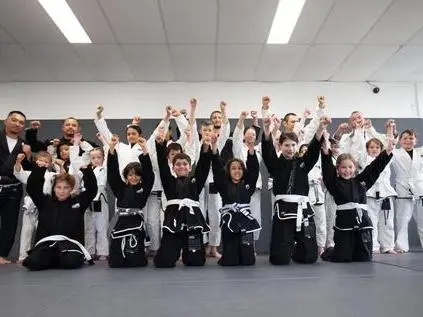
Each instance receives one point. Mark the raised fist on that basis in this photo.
(26, 149)
(136, 120)
(169, 110)
(265, 101)
(324, 121)
(20, 158)
(114, 140)
(176, 112)
(99, 111)
(306, 113)
(244, 114)
(193, 102)
(267, 121)
(321, 100)
(253, 114)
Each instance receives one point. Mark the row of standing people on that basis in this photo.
(283, 204)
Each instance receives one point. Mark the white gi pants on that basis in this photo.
(383, 224)
(210, 205)
(96, 226)
(255, 207)
(320, 222)
(405, 208)
(330, 208)
(152, 217)
(29, 226)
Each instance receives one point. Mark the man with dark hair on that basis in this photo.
(10, 188)
(70, 127)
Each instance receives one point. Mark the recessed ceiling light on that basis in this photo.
(66, 21)
(284, 22)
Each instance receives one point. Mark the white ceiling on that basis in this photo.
(214, 40)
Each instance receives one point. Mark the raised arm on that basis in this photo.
(147, 168)
(20, 174)
(268, 151)
(219, 175)
(238, 136)
(265, 108)
(90, 185)
(31, 137)
(113, 176)
(253, 170)
(225, 129)
(165, 173)
(311, 129)
(328, 171)
(35, 186)
(101, 124)
(312, 155)
(159, 130)
(203, 167)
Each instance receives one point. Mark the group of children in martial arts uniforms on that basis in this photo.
(218, 196)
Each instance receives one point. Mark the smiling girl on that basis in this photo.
(353, 227)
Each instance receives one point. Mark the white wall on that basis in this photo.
(123, 100)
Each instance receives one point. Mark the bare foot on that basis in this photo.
(4, 261)
(400, 251)
(391, 251)
(320, 250)
(213, 253)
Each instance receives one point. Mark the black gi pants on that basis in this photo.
(191, 243)
(351, 245)
(54, 255)
(10, 202)
(287, 243)
(238, 248)
(126, 247)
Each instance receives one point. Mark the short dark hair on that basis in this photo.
(213, 112)
(16, 112)
(181, 156)
(132, 167)
(173, 147)
(302, 146)
(285, 118)
(288, 136)
(408, 131)
(205, 123)
(135, 127)
(71, 118)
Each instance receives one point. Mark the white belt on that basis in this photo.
(186, 202)
(302, 204)
(59, 237)
(348, 206)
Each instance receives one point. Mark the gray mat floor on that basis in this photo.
(389, 286)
